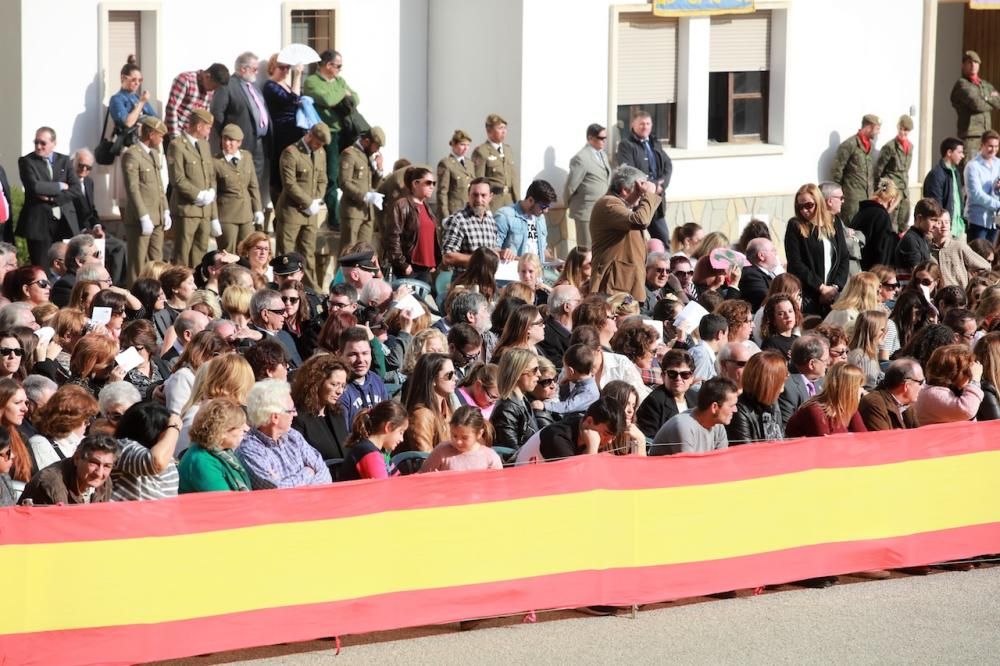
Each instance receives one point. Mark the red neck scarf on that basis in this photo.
(975, 79)
(866, 143)
(904, 144)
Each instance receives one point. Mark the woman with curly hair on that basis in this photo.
(739, 316)
(62, 422)
(925, 341)
(637, 342)
(523, 330)
(781, 318)
(479, 276)
(428, 402)
(786, 283)
(576, 269)
(952, 392)
(227, 376)
(211, 464)
(316, 390)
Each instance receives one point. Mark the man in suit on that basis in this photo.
(756, 278)
(454, 174)
(240, 103)
(192, 194)
(268, 314)
(494, 160)
(883, 408)
(641, 149)
(303, 184)
(80, 250)
(238, 196)
(90, 222)
(810, 360)
(359, 177)
(187, 325)
(146, 216)
(589, 177)
(51, 189)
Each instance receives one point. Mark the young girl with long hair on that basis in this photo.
(375, 434)
(470, 446)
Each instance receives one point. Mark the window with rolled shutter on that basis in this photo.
(124, 30)
(739, 74)
(646, 71)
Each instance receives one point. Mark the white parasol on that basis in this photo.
(297, 54)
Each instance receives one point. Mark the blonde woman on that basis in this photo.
(861, 294)
(513, 417)
(425, 342)
(529, 269)
(874, 220)
(866, 341)
(236, 307)
(712, 241)
(226, 376)
(835, 409)
(816, 249)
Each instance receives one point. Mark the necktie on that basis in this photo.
(600, 157)
(810, 388)
(651, 157)
(48, 166)
(235, 161)
(261, 111)
(500, 150)
(461, 160)
(4, 210)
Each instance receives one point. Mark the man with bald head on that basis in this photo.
(188, 324)
(756, 278)
(559, 323)
(889, 407)
(733, 359)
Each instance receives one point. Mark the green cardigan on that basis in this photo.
(201, 471)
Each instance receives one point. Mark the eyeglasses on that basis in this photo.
(540, 322)
(261, 248)
(738, 364)
(427, 182)
(293, 300)
(683, 374)
(85, 167)
(492, 397)
(925, 282)
(118, 312)
(469, 358)
(336, 305)
(918, 382)
(39, 142)
(893, 286)
(11, 351)
(448, 376)
(42, 284)
(531, 371)
(547, 382)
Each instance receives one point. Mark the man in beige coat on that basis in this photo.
(303, 185)
(237, 190)
(360, 176)
(192, 194)
(617, 222)
(146, 216)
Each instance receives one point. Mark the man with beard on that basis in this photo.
(853, 168)
(471, 228)
(366, 389)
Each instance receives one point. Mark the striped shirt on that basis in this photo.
(135, 478)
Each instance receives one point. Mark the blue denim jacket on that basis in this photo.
(512, 230)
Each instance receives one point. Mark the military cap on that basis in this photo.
(363, 260)
(494, 119)
(377, 135)
(459, 136)
(201, 115)
(870, 119)
(232, 131)
(906, 122)
(155, 124)
(973, 56)
(321, 132)
(286, 264)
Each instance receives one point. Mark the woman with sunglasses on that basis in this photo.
(513, 418)
(546, 389)
(523, 330)
(27, 283)
(410, 245)
(428, 402)
(117, 303)
(281, 94)
(757, 417)
(925, 280)
(670, 398)
(62, 423)
(816, 248)
(479, 388)
(11, 355)
(298, 319)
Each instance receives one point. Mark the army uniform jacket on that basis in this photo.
(894, 163)
(191, 171)
(303, 180)
(356, 179)
(453, 185)
(973, 104)
(236, 188)
(146, 195)
(852, 169)
(497, 169)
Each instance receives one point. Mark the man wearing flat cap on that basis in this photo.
(146, 215)
(894, 162)
(853, 169)
(454, 174)
(192, 194)
(303, 183)
(237, 190)
(974, 100)
(360, 176)
(494, 161)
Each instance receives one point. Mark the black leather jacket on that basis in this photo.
(989, 408)
(514, 422)
(748, 422)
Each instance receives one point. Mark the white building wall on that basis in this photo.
(948, 67)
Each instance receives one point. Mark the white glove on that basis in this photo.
(258, 218)
(313, 207)
(211, 195)
(375, 198)
(201, 199)
(147, 225)
(216, 229)
(166, 221)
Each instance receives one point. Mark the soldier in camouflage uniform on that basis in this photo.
(852, 167)
(894, 163)
(974, 100)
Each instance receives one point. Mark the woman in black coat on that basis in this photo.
(874, 220)
(757, 417)
(988, 353)
(812, 228)
(513, 417)
(316, 390)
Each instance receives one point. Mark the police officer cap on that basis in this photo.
(377, 135)
(494, 119)
(321, 132)
(971, 55)
(906, 122)
(155, 124)
(459, 136)
(201, 115)
(870, 119)
(232, 131)
(362, 260)
(286, 264)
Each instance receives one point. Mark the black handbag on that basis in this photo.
(109, 149)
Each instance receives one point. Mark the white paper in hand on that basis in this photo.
(100, 244)
(688, 319)
(100, 316)
(128, 359)
(411, 306)
(507, 272)
(45, 335)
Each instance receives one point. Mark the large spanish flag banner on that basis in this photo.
(120, 583)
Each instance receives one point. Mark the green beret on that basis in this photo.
(232, 131)
(321, 132)
(973, 56)
(377, 135)
(201, 115)
(494, 119)
(905, 122)
(155, 124)
(870, 119)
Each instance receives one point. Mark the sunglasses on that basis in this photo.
(547, 382)
(683, 374)
(42, 284)
(293, 300)
(601, 138)
(448, 376)
(662, 271)
(738, 364)
(529, 371)
(890, 285)
(683, 272)
(280, 312)
(8, 454)
(925, 282)
(809, 205)
(427, 182)
(85, 167)
(11, 351)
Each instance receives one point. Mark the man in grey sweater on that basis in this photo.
(703, 428)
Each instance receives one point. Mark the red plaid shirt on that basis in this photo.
(185, 97)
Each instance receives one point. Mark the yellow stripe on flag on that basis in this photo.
(149, 580)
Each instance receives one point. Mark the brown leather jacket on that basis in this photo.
(400, 238)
